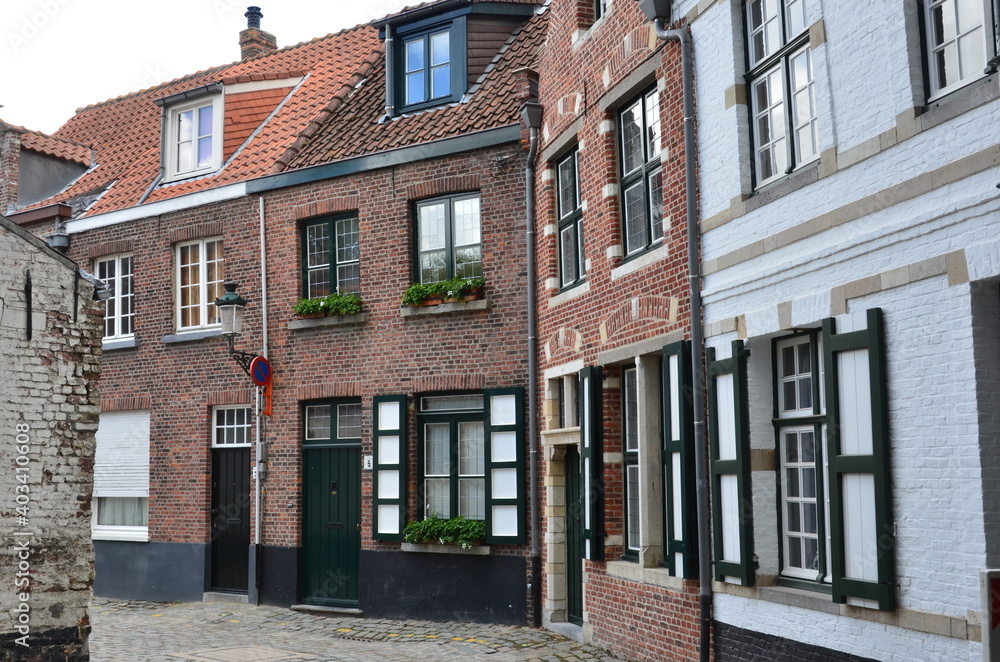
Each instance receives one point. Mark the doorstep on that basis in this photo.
(217, 596)
(327, 611)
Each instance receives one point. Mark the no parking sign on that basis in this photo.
(260, 371)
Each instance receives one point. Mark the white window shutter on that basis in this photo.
(121, 460)
(389, 448)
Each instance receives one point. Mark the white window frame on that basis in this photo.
(793, 141)
(208, 291)
(110, 462)
(231, 421)
(964, 40)
(113, 306)
(171, 138)
(790, 420)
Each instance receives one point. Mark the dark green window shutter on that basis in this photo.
(680, 532)
(389, 480)
(504, 419)
(591, 409)
(857, 442)
(732, 504)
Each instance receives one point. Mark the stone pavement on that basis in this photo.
(227, 632)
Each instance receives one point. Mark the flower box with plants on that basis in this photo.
(455, 290)
(338, 303)
(458, 533)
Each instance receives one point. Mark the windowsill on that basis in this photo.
(119, 343)
(561, 437)
(958, 102)
(631, 570)
(445, 308)
(641, 261)
(121, 534)
(333, 320)
(475, 550)
(188, 336)
(572, 293)
(779, 188)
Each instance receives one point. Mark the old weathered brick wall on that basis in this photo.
(50, 350)
(587, 73)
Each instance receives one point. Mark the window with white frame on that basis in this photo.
(641, 180)
(449, 238)
(193, 138)
(119, 310)
(572, 262)
(121, 477)
(959, 41)
(231, 427)
(630, 433)
(331, 260)
(803, 515)
(782, 88)
(199, 283)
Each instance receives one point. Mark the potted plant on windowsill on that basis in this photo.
(454, 290)
(457, 531)
(338, 303)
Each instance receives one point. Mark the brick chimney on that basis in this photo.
(253, 40)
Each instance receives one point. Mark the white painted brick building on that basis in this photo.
(889, 206)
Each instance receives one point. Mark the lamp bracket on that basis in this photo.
(243, 358)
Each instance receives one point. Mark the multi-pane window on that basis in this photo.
(449, 238)
(782, 87)
(119, 310)
(231, 427)
(572, 265)
(333, 423)
(600, 8)
(804, 521)
(192, 138)
(959, 41)
(641, 181)
(427, 67)
(199, 283)
(630, 427)
(331, 257)
(453, 438)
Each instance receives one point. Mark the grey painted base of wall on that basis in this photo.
(443, 587)
(733, 644)
(279, 573)
(156, 571)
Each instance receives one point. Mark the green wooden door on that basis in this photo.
(331, 526)
(574, 538)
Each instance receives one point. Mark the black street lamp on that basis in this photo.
(231, 307)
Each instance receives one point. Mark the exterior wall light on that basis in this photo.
(231, 307)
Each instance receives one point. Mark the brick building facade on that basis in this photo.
(614, 335)
(51, 347)
(319, 168)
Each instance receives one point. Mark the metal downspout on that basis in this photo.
(260, 457)
(531, 113)
(697, 364)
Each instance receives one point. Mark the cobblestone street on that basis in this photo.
(226, 632)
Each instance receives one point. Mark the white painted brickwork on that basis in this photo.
(875, 213)
(49, 397)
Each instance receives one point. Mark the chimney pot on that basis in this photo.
(253, 17)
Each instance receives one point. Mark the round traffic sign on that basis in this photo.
(260, 371)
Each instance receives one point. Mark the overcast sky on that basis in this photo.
(59, 55)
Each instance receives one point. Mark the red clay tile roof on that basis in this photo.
(66, 150)
(355, 127)
(331, 114)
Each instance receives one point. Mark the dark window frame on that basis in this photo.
(630, 459)
(449, 248)
(454, 418)
(570, 221)
(651, 167)
(334, 440)
(457, 46)
(333, 265)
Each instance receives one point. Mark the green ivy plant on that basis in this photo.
(338, 303)
(454, 288)
(455, 531)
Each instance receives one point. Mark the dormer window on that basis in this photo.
(430, 65)
(427, 69)
(192, 135)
